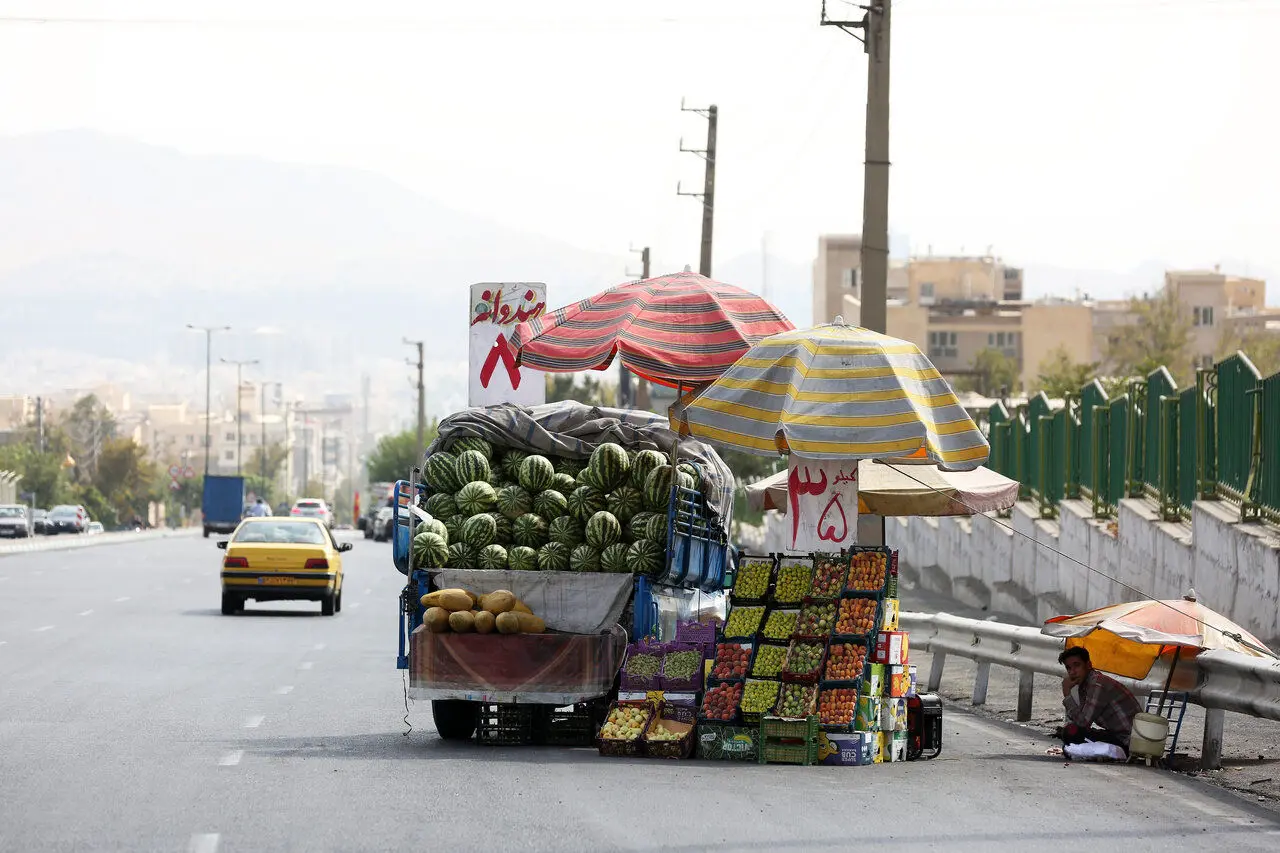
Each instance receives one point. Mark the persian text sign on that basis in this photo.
(822, 508)
(496, 310)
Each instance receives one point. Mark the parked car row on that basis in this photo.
(20, 522)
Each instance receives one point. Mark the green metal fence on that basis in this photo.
(1186, 450)
(1269, 487)
(1091, 397)
(1118, 440)
(1155, 431)
(1238, 386)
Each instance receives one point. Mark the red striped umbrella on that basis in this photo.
(674, 329)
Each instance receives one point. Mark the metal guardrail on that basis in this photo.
(70, 541)
(1223, 681)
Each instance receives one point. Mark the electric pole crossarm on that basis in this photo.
(850, 27)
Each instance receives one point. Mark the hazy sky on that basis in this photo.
(1082, 133)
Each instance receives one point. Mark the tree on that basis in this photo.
(395, 455)
(993, 374)
(1059, 376)
(125, 478)
(42, 473)
(89, 425)
(586, 389)
(1260, 345)
(1160, 337)
(275, 454)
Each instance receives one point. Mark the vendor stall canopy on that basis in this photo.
(680, 329)
(835, 392)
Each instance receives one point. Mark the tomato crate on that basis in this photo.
(506, 725)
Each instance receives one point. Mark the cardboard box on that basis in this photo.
(898, 746)
(875, 679)
(867, 718)
(893, 715)
(846, 750)
(727, 743)
(890, 609)
(891, 648)
(914, 681)
(884, 747)
(897, 682)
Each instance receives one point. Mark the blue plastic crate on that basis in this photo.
(697, 545)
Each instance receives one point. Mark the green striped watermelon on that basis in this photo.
(513, 501)
(551, 504)
(553, 557)
(536, 473)
(587, 477)
(646, 558)
(625, 502)
(475, 497)
(657, 488)
(603, 530)
(442, 505)
(468, 442)
(585, 502)
(496, 478)
(609, 466)
(564, 483)
(529, 530)
(471, 467)
(656, 529)
(429, 551)
(643, 465)
(569, 467)
(584, 558)
(636, 526)
(492, 557)
(441, 472)
(511, 463)
(505, 528)
(522, 559)
(688, 468)
(565, 529)
(433, 525)
(614, 559)
(479, 530)
(462, 555)
(453, 524)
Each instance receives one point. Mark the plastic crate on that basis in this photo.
(690, 684)
(749, 648)
(884, 582)
(639, 683)
(697, 633)
(839, 725)
(734, 630)
(788, 753)
(809, 692)
(802, 569)
(777, 727)
(737, 684)
(832, 589)
(877, 615)
(778, 650)
(621, 748)
(574, 725)
(506, 725)
(741, 593)
(810, 632)
(815, 675)
(697, 547)
(867, 648)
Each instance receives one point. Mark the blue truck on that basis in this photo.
(223, 504)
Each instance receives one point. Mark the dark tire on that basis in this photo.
(327, 604)
(206, 533)
(455, 718)
(337, 602)
(231, 604)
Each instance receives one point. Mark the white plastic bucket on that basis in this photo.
(1150, 727)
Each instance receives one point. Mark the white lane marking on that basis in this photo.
(281, 691)
(354, 605)
(122, 598)
(319, 647)
(86, 613)
(231, 759)
(306, 664)
(44, 628)
(203, 842)
(254, 722)
(4, 642)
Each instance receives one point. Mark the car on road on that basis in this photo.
(68, 518)
(313, 508)
(381, 524)
(282, 559)
(39, 521)
(15, 521)
(95, 527)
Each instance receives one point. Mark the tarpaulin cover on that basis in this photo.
(573, 430)
(558, 669)
(573, 602)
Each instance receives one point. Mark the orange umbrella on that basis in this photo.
(1127, 639)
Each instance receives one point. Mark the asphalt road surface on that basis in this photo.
(133, 716)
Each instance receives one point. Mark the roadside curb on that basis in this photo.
(68, 542)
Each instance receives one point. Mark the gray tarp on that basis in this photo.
(573, 430)
(573, 602)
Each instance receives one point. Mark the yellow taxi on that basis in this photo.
(282, 559)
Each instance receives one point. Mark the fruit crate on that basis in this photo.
(812, 677)
(788, 753)
(746, 625)
(743, 576)
(754, 717)
(867, 636)
(779, 728)
(808, 694)
(767, 652)
(808, 609)
(625, 748)
(848, 726)
(785, 741)
(573, 725)
(681, 748)
(868, 646)
(851, 587)
(640, 683)
(779, 624)
(677, 684)
(746, 650)
(829, 574)
(506, 725)
(714, 685)
(697, 633)
(793, 580)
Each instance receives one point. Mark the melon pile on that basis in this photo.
(506, 509)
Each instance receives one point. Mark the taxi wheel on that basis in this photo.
(231, 604)
(337, 602)
(327, 604)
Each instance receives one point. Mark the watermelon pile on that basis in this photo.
(498, 508)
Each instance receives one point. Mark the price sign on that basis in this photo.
(822, 510)
(496, 310)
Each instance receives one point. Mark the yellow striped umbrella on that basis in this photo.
(835, 392)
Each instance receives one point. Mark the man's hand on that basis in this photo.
(1067, 683)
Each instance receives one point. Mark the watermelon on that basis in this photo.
(475, 497)
(569, 467)
(657, 488)
(614, 559)
(505, 528)
(442, 506)
(643, 465)
(688, 468)
(433, 525)
(565, 529)
(467, 442)
(479, 530)
(536, 473)
(522, 559)
(551, 504)
(513, 501)
(496, 478)
(471, 466)
(462, 555)
(609, 466)
(636, 527)
(656, 529)
(625, 502)
(564, 483)
(646, 558)
(492, 557)
(589, 477)
(441, 472)
(584, 558)
(585, 502)
(553, 557)
(511, 463)
(453, 524)
(603, 530)
(529, 530)
(423, 526)
(429, 550)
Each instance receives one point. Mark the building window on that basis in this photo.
(1202, 316)
(231, 436)
(229, 455)
(926, 290)
(849, 278)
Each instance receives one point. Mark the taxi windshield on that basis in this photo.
(281, 533)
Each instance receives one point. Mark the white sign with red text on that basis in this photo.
(822, 504)
(496, 310)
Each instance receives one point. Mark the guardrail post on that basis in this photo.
(981, 676)
(1026, 683)
(1211, 748)
(935, 671)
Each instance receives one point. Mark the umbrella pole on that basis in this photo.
(1169, 681)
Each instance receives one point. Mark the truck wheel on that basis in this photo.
(455, 718)
(206, 533)
(231, 604)
(327, 604)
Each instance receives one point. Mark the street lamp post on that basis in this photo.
(208, 385)
(240, 366)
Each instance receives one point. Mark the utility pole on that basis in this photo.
(875, 184)
(40, 423)
(422, 399)
(240, 366)
(626, 398)
(708, 194)
(208, 386)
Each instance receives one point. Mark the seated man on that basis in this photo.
(1099, 708)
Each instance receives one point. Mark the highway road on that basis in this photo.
(133, 716)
